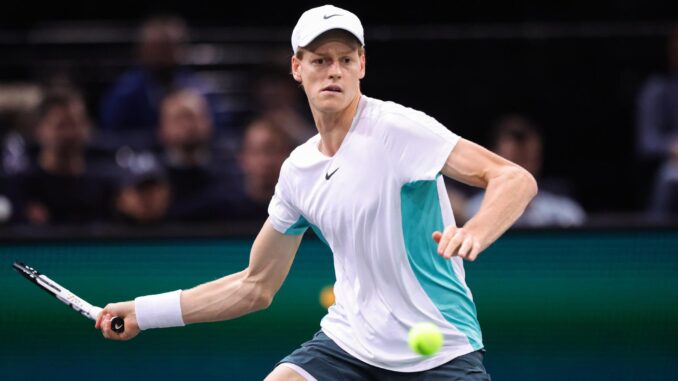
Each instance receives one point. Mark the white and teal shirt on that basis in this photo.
(376, 203)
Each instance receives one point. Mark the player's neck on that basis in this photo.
(333, 127)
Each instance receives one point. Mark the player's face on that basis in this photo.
(330, 71)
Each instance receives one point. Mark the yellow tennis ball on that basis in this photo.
(327, 296)
(425, 338)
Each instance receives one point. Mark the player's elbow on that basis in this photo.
(532, 185)
(258, 296)
(519, 180)
(264, 298)
(527, 183)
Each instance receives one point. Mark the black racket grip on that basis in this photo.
(118, 325)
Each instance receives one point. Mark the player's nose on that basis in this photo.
(335, 69)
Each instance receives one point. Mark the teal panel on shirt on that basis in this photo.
(320, 235)
(298, 227)
(301, 226)
(421, 216)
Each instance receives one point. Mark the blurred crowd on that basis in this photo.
(159, 148)
(657, 128)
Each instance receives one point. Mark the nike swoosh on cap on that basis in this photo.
(330, 16)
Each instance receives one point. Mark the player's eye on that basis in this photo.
(346, 60)
(318, 61)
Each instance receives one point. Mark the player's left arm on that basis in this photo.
(509, 189)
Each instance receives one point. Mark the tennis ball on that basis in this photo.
(425, 338)
(327, 296)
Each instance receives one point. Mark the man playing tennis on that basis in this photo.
(369, 184)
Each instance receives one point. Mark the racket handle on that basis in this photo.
(118, 325)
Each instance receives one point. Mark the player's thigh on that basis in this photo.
(284, 373)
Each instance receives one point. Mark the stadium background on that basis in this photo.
(575, 68)
(589, 304)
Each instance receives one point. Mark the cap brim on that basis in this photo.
(308, 39)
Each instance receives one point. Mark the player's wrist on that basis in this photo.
(159, 311)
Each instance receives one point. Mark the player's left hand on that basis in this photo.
(456, 241)
(124, 310)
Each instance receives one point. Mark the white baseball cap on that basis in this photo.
(317, 21)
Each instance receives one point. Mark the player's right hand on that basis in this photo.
(454, 241)
(123, 310)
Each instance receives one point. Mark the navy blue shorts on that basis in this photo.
(322, 359)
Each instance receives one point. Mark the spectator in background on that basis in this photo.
(132, 103)
(516, 139)
(144, 193)
(278, 98)
(61, 187)
(18, 105)
(265, 146)
(657, 127)
(200, 175)
(18, 108)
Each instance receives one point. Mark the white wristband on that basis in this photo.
(159, 311)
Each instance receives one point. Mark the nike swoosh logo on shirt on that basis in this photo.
(330, 16)
(328, 175)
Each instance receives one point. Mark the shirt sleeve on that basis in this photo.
(284, 216)
(416, 144)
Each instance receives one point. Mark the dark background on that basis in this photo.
(257, 12)
(575, 69)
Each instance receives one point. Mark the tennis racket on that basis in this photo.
(69, 298)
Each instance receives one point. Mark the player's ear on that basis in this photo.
(296, 68)
(362, 63)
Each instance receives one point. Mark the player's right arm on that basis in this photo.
(249, 290)
(226, 298)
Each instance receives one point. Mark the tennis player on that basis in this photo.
(369, 184)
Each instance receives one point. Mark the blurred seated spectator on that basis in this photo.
(664, 202)
(144, 193)
(6, 200)
(517, 140)
(657, 127)
(18, 105)
(279, 98)
(61, 187)
(200, 175)
(132, 104)
(265, 146)
(6, 206)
